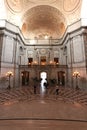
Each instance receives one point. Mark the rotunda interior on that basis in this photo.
(43, 64)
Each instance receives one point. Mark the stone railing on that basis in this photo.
(43, 66)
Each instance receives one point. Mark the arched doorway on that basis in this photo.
(25, 78)
(43, 77)
(61, 78)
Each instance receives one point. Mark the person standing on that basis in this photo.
(34, 89)
(57, 89)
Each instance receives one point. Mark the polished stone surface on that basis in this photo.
(36, 111)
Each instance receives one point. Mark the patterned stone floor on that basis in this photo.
(21, 109)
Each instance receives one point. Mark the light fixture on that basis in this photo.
(46, 36)
(9, 74)
(76, 74)
(35, 63)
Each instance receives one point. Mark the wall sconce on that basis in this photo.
(76, 74)
(9, 74)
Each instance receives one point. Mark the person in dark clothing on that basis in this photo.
(45, 84)
(77, 88)
(57, 89)
(34, 89)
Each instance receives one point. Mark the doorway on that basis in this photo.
(25, 78)
(43, 77)
(61, 78)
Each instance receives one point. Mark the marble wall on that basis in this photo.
(71, 51)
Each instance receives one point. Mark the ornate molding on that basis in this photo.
(43, 51)
(44, 20)
(15, 5)
(70, 5)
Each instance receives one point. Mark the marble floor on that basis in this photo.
(42, 125)
(41, 113)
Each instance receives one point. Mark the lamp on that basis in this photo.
(76, 74)
(9, 74)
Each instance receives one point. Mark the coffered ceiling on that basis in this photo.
(40, 18)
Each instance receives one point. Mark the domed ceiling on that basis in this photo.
(43, 21)
(43, 18)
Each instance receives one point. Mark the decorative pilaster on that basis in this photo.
(85, 47)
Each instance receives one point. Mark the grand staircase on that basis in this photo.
(27, 94)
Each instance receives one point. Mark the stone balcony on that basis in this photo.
(43, 66)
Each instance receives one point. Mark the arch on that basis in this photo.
(61, 78)
(43, 76)
(25, 78)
